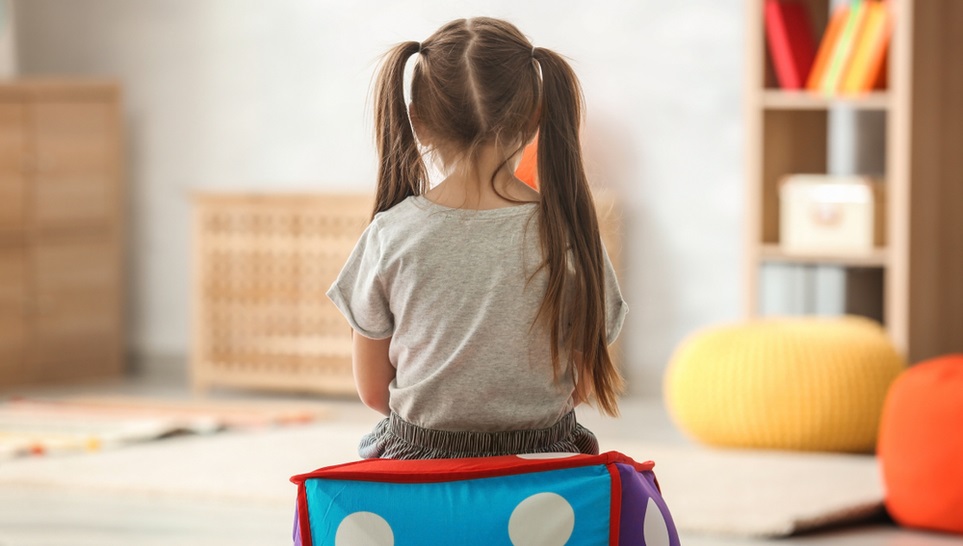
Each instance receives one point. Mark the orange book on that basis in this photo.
(826, 47)
(865, 69)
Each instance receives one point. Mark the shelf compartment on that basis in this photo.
(795, 142)
(773, 253)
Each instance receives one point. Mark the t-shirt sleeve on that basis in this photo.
(359, 291)
(615, 306)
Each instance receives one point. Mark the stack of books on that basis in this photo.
(850, 59)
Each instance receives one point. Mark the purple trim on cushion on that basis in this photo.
(296, 534)
(637, 489)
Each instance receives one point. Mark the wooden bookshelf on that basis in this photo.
(915, 282)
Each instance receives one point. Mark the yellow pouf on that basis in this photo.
(809, 384)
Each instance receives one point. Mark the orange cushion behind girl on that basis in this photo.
(527, 170)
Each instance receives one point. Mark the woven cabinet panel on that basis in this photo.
(262, 266)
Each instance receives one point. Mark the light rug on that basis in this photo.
(68, 425)
(709, 492)
(763, 493)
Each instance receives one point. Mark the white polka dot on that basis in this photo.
(546, 455)
(654, 529)
(544, 519)
(364, 529)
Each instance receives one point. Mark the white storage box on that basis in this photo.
(830, 214)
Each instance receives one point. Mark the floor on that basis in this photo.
(55, 518)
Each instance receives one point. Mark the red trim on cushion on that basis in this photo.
(304, 522)
(449, 470)
(615, 505)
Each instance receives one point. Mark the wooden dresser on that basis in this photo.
(61, 231)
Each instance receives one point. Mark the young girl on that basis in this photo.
(482, 310)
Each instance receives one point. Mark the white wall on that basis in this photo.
(273, 95)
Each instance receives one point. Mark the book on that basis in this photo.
(844, 48)
(826, 46)
(869, 56)
(789, 34)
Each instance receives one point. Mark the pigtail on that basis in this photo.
(401, 171)
(574, 303)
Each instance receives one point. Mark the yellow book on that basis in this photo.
(865, 67)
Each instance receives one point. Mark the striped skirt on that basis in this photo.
(395, 438)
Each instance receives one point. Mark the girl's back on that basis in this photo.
(458, 290)
(483, 319)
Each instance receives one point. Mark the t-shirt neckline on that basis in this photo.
(500, 212)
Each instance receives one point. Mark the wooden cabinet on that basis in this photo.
(915, 282)
(12, 148)
(61, 233)
(13, 289)
(262, 265)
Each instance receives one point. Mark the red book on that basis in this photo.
(791, 45)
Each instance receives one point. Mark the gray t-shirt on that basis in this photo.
(457, 292)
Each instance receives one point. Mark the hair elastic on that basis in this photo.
(419, 47)
(533, 52)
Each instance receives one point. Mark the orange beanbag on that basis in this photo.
(921, 445)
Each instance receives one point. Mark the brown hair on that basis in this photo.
(479, 81)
